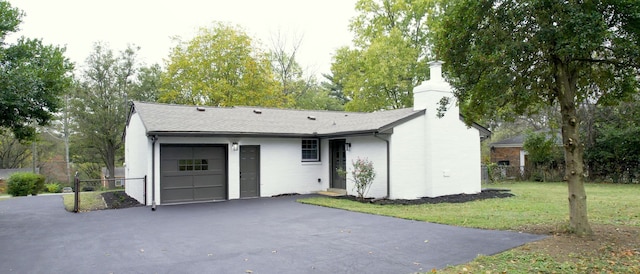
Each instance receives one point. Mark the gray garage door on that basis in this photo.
(192, 173)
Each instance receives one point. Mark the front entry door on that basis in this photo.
(249, 171)
(338, 162)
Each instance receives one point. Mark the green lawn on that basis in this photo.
(88, 201)
(613, 209)
(534, 203)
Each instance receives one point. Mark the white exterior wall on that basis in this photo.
(453, 158)
(408, 165)
(137, 158)
(281, 168)
(375, 150)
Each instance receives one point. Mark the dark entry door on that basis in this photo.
(338, 162)
(249, 171)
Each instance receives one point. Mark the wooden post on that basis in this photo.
(76, 202)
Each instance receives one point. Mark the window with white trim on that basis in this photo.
(310, 150)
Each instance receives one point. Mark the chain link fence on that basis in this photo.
(497, 173)
(87, 185)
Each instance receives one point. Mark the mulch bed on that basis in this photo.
(457, 198)
(119, 199)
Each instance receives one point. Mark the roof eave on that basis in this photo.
(260, 134)
(398, 122)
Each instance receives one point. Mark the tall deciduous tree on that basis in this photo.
(147, 86)
(33, 76)
(511, 57)
(100, 106)
(286, 68)
(390, 54)
(221, 66)
(303, 92)
(13, 153)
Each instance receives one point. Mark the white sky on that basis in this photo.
(149, 24)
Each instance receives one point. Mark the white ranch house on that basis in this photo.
(193, 154)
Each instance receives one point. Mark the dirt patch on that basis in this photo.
(621, 242)
(456, 198)
(119, 199)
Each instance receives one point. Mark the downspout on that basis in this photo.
(153, 172)
(388, 165)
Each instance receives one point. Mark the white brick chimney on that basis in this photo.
(428, 94)
(450, 156)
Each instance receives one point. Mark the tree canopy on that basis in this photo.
(389, 57)
(220, 66)
(612, 150)
(33, 75)
(148, 83)
(100, 105)
(508, 58)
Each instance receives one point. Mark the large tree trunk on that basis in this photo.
(111, 163)
(573, 152)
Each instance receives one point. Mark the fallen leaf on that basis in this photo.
(248, 271)
(426, 241)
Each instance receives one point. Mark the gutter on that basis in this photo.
(153, 172)
(375, 134)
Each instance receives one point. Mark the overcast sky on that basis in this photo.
(149, 24)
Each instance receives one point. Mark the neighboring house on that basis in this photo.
(193, 153)
(511, 153)
(111, 182)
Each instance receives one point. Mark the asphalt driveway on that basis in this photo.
(267, 235)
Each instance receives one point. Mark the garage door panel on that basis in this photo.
(208, 193)
(178, 152)
(204, 180)
(176, 195)
(173, 182)
(168, 165)
(209, 180)
(216, 164)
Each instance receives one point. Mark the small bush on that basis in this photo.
(39, 185)
(53, 188)
(25, 183)
(363, 175)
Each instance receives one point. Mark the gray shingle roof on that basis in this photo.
(189, 120)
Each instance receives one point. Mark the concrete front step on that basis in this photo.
(334, 192)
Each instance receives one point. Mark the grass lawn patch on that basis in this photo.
(541, 208)
(98, 200)
(88, 201)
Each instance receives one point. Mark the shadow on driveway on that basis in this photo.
(266, 235)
